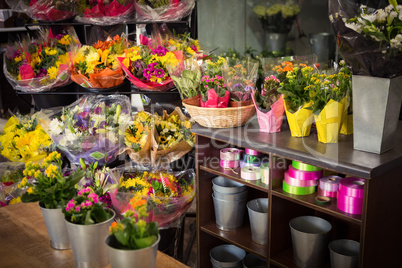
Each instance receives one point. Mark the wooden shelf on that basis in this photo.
(285, 259)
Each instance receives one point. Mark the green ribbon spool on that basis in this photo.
(322, 200)
(251, 159)
(298, 190)
(304, 167)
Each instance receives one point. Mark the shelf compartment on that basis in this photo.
(285, 259)
(308, 201)
(240, 237)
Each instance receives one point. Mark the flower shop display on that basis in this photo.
(88, 221)
(23, 139)
(104, 12)
(168, 195)
(92, 128)
(96, 67)
(40, 64)
(296, 97)
(369, 39)
(53, 187)
(269, 105)
(44, 10)
(328, 92)
(163, 10)
(132, 241)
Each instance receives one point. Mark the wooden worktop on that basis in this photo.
(24, 241)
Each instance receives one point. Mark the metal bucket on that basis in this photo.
(344, 253)
(323, 45)
(258, 214)
(276, 42)
(229, 215)
(56, 228)
(126, 258)
(253, 261)
(309, 240)
(230, 197)
(226, 186)
(88, 243)
(227, 256)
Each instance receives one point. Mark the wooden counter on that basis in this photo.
(24, 241)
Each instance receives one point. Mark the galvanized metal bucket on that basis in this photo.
(229, 215)
(344, 253)
(258, 214)
(121, 258)
(376, 107)
(88, 243)
(276, 41)
(56, 227)
(227, 256)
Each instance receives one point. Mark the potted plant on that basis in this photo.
(269, 105)
(133, 242)
(48, 184)
(88, 220)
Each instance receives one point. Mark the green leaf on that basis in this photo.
(97, 155)
(145, 241)
(28, 198)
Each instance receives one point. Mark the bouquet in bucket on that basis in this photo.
(40, 64)
(104, 12)
(369, 36)
(44, 10)
(92, 128)
(163, 10)
(167, 195)
(96, 66)
(23, 140)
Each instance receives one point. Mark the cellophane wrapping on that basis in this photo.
(173, 10)
(44, 10)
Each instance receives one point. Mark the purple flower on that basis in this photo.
(147, 73)
(70, 205)
(98, 110)
(139, 64)
(59, 36)
(159, 73)
(160, 51)
(193, 47)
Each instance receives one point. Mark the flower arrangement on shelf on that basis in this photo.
(369, 37)
(92, 128)
(163, 10)
(104, 12)
(277, 17)
(96, 66)
(48, 183)
(145, 66)
(133, 232)
(214, 93)
(167, 195)
(23, 140)
(269, 93)
(189, 47)
(86, 208)
(213, 66)
(40, 64)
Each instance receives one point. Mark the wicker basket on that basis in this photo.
(221, 117)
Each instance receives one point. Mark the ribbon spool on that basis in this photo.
(304, 175)
(305, 167)
(352, 186)
(330, 183)
(252, 152)
(349, 204)
(297, 190)
(299, 183)
(230, 164)
(244, 164)
(250, 173)
(251, 159)
(322, 200)
(330, 194)
(264, 172)
(230, 154)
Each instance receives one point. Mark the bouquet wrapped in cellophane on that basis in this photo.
(23, 139)
(92, 128)
(43, 63)
(44, 10)
(96, 66)
(369, 36)
(104, 12)
(11, 173)
(163, 10)
(168, 194)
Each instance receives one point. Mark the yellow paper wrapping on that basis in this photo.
(328, 122)
(347, 120)
(300, 121)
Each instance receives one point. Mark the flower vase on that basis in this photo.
(276, 42)
(127, 258)
(88, 243)
(300, 121)
(328, 122)
(376, 107)
(271, 121)
(56, 227)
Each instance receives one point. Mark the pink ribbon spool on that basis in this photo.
(230, 154)
(352, 186)
(322, 192)
(252, 152)
(330, 183)
(349, 204)
(230, 164)
(299, 183)
(304, 175)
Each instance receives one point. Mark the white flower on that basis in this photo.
(393, 15)
(397, 42)
(354, 26)
(56, 127)
(124, 120)
(70, 136)
(389, 8)
(369, 17)
(381, 16)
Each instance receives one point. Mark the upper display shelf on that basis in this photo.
(340, 157)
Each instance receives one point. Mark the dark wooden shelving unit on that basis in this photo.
(375, 229)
